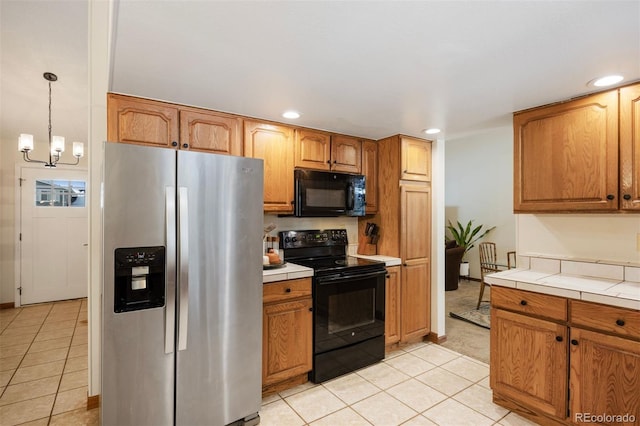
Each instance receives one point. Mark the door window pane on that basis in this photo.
(60, 193)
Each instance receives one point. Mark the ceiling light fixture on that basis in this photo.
(606, 80)
(432, 131)
(56, 143)
(291, 114)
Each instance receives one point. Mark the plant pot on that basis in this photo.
(464, 269)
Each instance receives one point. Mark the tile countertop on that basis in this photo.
(290, 271)
(614, 285)
(388, 260)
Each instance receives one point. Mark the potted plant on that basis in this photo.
(466, 236)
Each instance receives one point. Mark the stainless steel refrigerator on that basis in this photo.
(182, 287)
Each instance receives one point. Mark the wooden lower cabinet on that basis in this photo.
(415, 301)
(392, 306)
(287, 334)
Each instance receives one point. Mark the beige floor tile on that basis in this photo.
(279, 413)
(76, 379)
(15, 350)
(21, 330)
(70, 400)
(297, 389)
(344, 417)
(80, 339)
(10, 363)
(413, 346)
(58, 325)
(485, 383)
(410, 364)
(76, 364)
(315, 403)
(351, 388)
(53, 334)
(79, 417)
(383, 375)
(30, 390)
(466, 368)
(451, 412)
(62, 316)
(444, 381)
(271, 398)
(384, 410)
(5, 376)
(26, 374)
(78, 350)
(416, 395)
(435, 354)
(21, 339)
(47, 345)
(481, 400)
(27, 321)
(81, 330)
(39, 422)
(44, 357)
(26, 411)
(513, 419)
(419, 421)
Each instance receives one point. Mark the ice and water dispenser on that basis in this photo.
(139, 278)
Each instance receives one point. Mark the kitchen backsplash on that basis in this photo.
(291, 223)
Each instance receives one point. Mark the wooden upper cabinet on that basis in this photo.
(313, 149)
(141, 121)
(630, 147)
(566, 156)
(210, 131)
(416, 159)
(370, 172)
(274, 144)
(346, 152)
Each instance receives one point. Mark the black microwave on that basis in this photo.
(324, 194)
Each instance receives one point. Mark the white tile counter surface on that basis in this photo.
(593, 281)
(388, 260)
(290, 271)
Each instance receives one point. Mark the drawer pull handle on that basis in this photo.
(620, 322)
(558, 338)
(523, 302)
(574, 342)
(288, 290)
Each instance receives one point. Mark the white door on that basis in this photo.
(54, 235)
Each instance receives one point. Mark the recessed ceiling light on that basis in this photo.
(432, 131)
(291, 114)
(606, 80)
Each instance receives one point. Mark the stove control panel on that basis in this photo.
(313, 238)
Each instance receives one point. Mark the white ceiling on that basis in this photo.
(365, 68)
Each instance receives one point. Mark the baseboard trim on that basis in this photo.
(93, 402)
(433, 337)
(8, 305)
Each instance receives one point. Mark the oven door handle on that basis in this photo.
(332, 278)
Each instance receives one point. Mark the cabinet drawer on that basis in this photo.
(285, 290)
(621, 321)
(529, 303)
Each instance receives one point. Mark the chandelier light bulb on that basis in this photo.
(25, 142)
(78, 149)
(57, 144)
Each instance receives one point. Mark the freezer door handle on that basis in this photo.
(170, 241)
(183, 261)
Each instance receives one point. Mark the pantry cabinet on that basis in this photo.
(274, 144)
(392, 306)
(286, 334)
(579, 155)
(319, 150)
(370, 172)
(416, 159)
(153, 123)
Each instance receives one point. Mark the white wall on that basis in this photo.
(479, 187)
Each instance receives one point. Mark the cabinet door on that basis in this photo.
(630, 147)
(415, 222)
(566, 156)
(313, 149)
(274, 144)
(392, 306)
(370, 172)
(529, 361)
(604, 376)
(286, 340)
(415, 304)
(416, 159)
(210, 132)
(346, 154)
(141, 121)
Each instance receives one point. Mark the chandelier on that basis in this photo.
(56, 143)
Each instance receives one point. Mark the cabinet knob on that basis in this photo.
(288, 290)
(626, 197)
(334, 161)
(328, 161)
(405, 171)
(611, 197)
(523, 302)
(558, 338)
(185, 145)
(174, 143)
(388, 276)
(310, 309)
(404, 264)
(574, 342)
(620, 322)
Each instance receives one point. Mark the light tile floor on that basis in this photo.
(421, 384)
(43, 365)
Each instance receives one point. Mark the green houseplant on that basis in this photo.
(466, 236)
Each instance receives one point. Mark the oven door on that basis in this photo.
(323, 194)
(347, 309)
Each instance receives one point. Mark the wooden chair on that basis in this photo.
(489, 264)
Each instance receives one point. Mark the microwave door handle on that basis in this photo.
(350, 196)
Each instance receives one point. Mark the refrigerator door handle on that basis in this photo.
(183, 261)
(170, 241)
